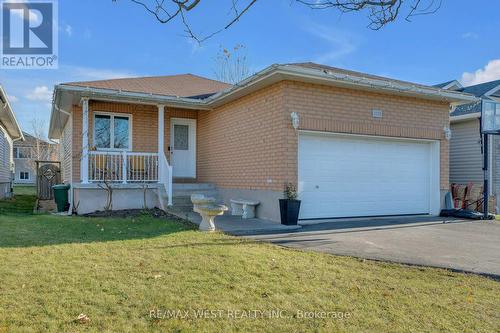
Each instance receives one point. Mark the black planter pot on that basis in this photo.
(289, 210)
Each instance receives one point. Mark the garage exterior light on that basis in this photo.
(295, 120)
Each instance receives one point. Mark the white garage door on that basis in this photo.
(348, 176)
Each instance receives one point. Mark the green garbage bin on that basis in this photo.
(61, 196)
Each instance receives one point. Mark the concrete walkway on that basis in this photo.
(464, 245)
(235, 225)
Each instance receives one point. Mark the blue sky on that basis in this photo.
(104, 39)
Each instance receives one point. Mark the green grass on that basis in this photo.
(116, 271)
(23, 202)
(24, 190)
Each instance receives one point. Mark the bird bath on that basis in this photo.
(206, 207)
(208, 214)
(201, 200)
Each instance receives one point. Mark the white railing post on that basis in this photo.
(84, 160)
(124, 167)
(169, 167)
(161, 134)
(164, 169)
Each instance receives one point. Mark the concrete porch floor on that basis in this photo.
(237, 226)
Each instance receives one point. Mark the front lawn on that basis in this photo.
(141, 274)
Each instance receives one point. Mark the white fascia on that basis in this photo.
(465, 117)
(345, 79)
(11, 114)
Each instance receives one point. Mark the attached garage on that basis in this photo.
(343, 175)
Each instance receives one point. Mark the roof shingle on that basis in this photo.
(183, 85)
(325, 68)
(479, 90)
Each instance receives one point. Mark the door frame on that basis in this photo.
(192, 125)
(434, 162)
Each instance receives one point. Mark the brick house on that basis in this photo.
(354, 144)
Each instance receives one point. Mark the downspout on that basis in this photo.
(71, 189)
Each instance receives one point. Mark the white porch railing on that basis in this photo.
(166, 176)
(124, 167)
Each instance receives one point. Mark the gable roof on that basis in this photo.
(183, 85)
(442, 85)
(179, 94)
(449, 85)
(479, 90)
(31, 139)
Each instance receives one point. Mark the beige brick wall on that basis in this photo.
(251, 144)
(333, 109)
(144, 126)
(242, 144)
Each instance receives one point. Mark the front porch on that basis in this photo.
(135, 146)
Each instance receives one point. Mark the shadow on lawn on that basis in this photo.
(18, 205)
(19, 227)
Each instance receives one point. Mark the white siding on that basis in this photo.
(65, 152)
(6, 162)
(466, 160)
(24, 165)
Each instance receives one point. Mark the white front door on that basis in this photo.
(183, 147)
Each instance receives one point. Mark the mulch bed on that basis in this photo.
(155, 212)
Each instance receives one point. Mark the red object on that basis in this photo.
(454, 190)
(468, 188)
(456, 199)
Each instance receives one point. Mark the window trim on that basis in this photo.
(27, 172)
(16, 150)
(112, 130)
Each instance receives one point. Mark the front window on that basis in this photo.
(22, 152)
(111, 131)
(24, 175)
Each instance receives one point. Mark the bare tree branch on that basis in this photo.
(379, 12)
(231, 65)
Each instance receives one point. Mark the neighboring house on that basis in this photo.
(9, 132)
(466, 157)
(355, 144)
(27, 152)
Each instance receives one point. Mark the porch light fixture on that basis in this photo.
(447, 133)
(295, 119)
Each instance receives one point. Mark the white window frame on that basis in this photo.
(112, 130)
(30, 150)
(27, 172)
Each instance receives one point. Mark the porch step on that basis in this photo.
(184, 190)
(187, 193)
(192, 186)
(181, 196)
(185, 200)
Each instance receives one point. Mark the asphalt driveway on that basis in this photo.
(465, 245)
